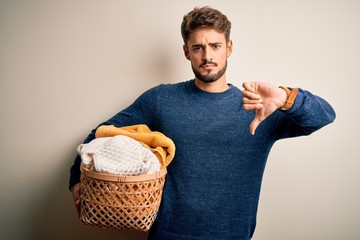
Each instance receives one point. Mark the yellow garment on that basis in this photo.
(162, 146)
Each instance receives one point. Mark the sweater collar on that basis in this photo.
(201, 92)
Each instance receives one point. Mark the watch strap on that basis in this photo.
(291, 96)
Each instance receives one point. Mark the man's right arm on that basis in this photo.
(140, 112)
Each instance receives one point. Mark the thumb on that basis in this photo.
(255, 123)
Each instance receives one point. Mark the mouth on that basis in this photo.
(208, 64)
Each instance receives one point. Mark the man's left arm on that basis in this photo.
(310, 112)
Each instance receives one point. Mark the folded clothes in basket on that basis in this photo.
(118, 155)
(162, 146)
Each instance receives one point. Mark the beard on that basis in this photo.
(209, 78)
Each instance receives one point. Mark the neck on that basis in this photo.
(215, 87)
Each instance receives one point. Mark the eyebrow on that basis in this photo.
(200, 45)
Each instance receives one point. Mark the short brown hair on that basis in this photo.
(205, 17)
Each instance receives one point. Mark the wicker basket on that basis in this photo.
(120, 201)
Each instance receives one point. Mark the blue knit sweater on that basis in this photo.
(213, 184)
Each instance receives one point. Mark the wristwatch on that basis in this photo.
(291, 96)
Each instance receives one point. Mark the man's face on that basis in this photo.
(208, 51)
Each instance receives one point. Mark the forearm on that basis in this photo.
(309, 113)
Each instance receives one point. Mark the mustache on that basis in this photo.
(208, 62)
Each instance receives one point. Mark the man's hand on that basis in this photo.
(264, 99)
(75, 190)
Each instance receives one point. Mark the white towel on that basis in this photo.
(118, 155)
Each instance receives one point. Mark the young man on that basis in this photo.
(213, 183)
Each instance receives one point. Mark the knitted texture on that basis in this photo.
(213, 183)
(118, 155)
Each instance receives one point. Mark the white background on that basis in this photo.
(66, 66)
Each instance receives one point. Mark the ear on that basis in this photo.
(229, 48)
(186, 51)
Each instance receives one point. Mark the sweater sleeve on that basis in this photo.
(308, 114)
(142, 111)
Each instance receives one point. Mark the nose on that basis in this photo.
(207, 55)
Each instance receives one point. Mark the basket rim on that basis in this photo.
(121, 178)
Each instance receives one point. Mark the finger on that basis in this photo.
(78, 206)
(246, 100)
(248, 86)
(251, 95)
(256, 106)
(254, 124)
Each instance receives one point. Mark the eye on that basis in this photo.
(196, 49)
(216, 46)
